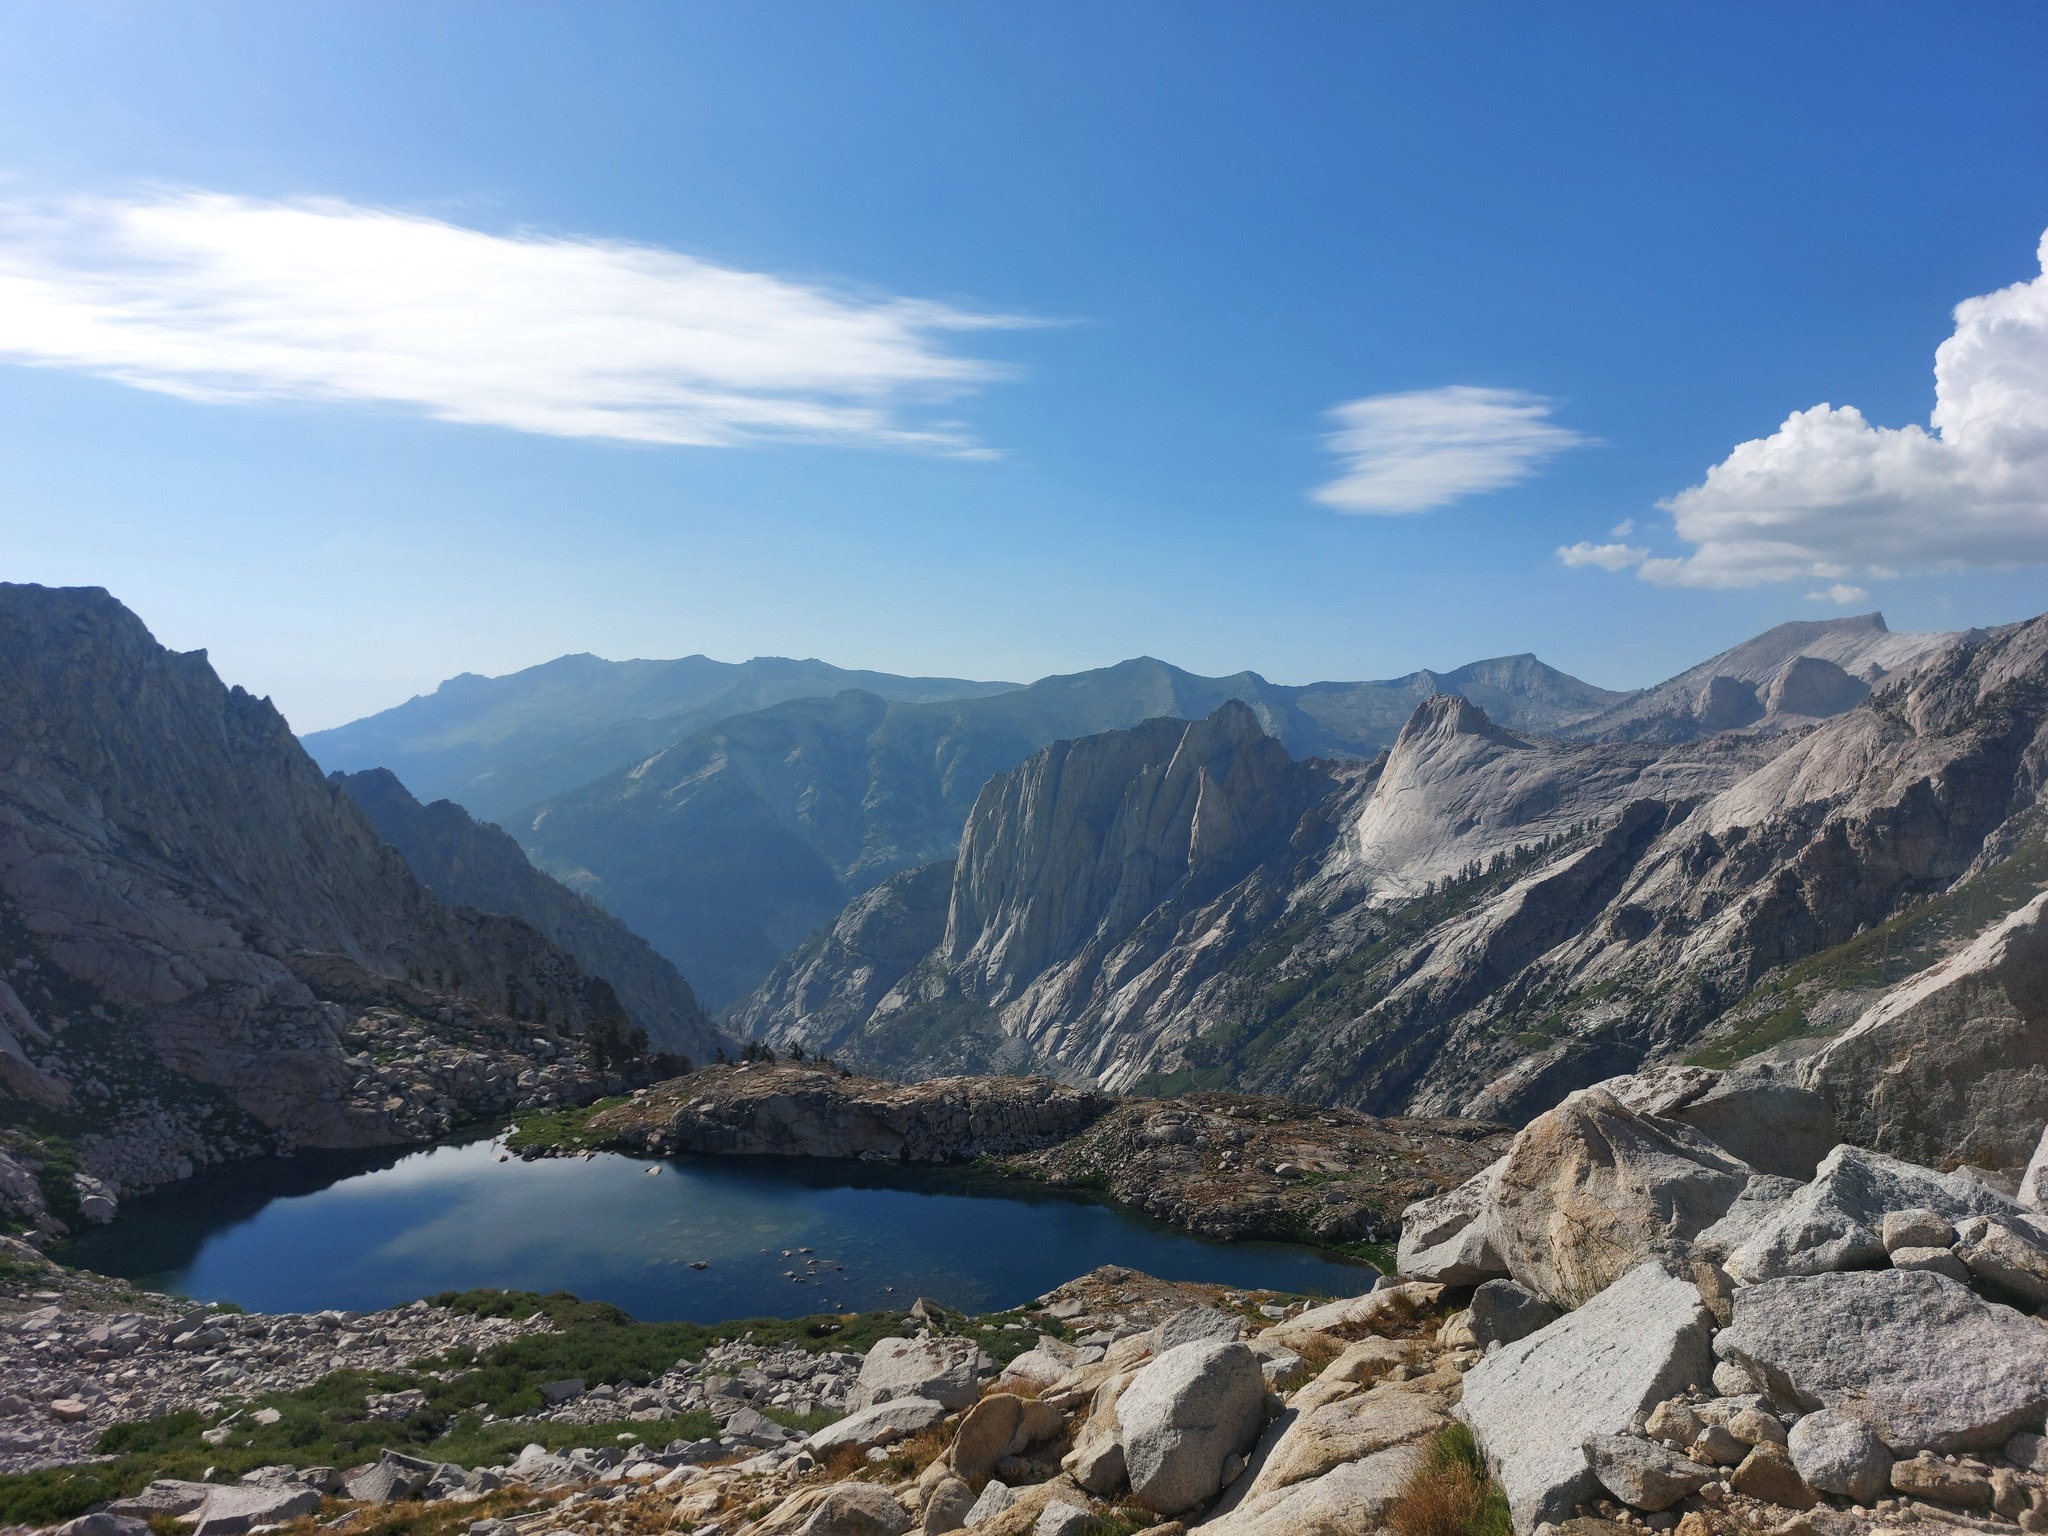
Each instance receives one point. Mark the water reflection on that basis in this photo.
(774, 1236)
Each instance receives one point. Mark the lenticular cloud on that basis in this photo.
(1829, 495)
(1427, 448)
(229, 299)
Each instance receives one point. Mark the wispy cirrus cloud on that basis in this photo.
(1426, 448)
(221, 298)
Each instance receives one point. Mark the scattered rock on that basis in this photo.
(856, 1509)
(1182, 1416)
(1059, 1518)
(881, 1424)
(1448, 1238)
(1935, 1261)
(1928, 1477)
(1533, 1404)
(1840, 1455)
(1917, 1228)
(1193, 1325)
(1503, 1312)
(1643, 1474)
(1917, 1357)
(995, 1498)
(2009, 1262)
(231, 1511)
(947, 1506)
(1769, 1473)
(944, 1370)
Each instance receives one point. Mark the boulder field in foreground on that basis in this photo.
(1861, 1334)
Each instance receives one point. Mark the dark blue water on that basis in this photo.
(363, 1232)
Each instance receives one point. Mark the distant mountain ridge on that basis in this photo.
(496, 744)
(475, 864)
(729, 848)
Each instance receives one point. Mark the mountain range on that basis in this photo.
(1477, 922)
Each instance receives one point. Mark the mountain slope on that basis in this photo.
(474, 864)
(495, 744)
(1791, 674)
(203, 941)
(728, 849)
(1479, 923)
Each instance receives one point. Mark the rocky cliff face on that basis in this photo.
(469, 863)
(1480, 922)
(194, 924)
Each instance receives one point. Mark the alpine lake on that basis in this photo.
(689, 1238)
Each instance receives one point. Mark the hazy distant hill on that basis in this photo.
(727, 849)
(471, 863)
(494, 744)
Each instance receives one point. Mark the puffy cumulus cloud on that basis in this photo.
(1840, 593)
(1429, 447)
(1609, 557)
(223, 298)
(1829, 495)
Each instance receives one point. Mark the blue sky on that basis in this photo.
(364, 344)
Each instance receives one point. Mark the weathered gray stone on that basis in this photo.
(1836, 1222)
(1761, 1115)
(1840, 1455)
(1591, 1188)
(1922, 1361)
(942, 1369)
(880, 1424)
(947, 1506)
(165, 1496)
(1761, 1199)
(1060, 1518)
(1183, 1416)
(2034, 1180)
(1193, 1325)
(1917, 1228)
(1674, 1421)
(1928, 1477)
(996, 1497)
(1447, 1238)
(104, 1524)
(1951, 1066)
(856, 1509)
(1533, 1404)
(2028, 1451)
(1503, 1312)
(1643, 1474)
(1768, 1473)
(1350, 1500)
(231, 1511)
(2008, 1260)
(1938, 1261)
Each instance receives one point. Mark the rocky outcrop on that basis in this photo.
(467, 863)
(1223, 1165)
(193, 922)
(1952, 1066)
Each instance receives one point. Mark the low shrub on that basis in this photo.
(1450, 1494)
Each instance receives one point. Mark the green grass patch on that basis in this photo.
(562, 1130)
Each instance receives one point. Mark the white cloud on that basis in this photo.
(1839, 593)
(222, 298)
(1430, 447)
(1609, 557)
(1829, 495)
(1623, 529)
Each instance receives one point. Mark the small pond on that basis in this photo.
(774, 1236)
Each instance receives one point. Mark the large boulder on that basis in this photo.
(1534, 1404)
(856, 1509)
(1759, 1114)
(1503, 1312)
(1183, 1416)
(881, 1424)
(1837, 1221)
(1643, 1474)
(945, 1370)
(231, 1511)
(1446, 1237)
(1592, 1188)
(1383, 1311)
(1001, 1424)
(1917, 1357)
(1350, 1500)
(1951, 1066)
(1350, 1428)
